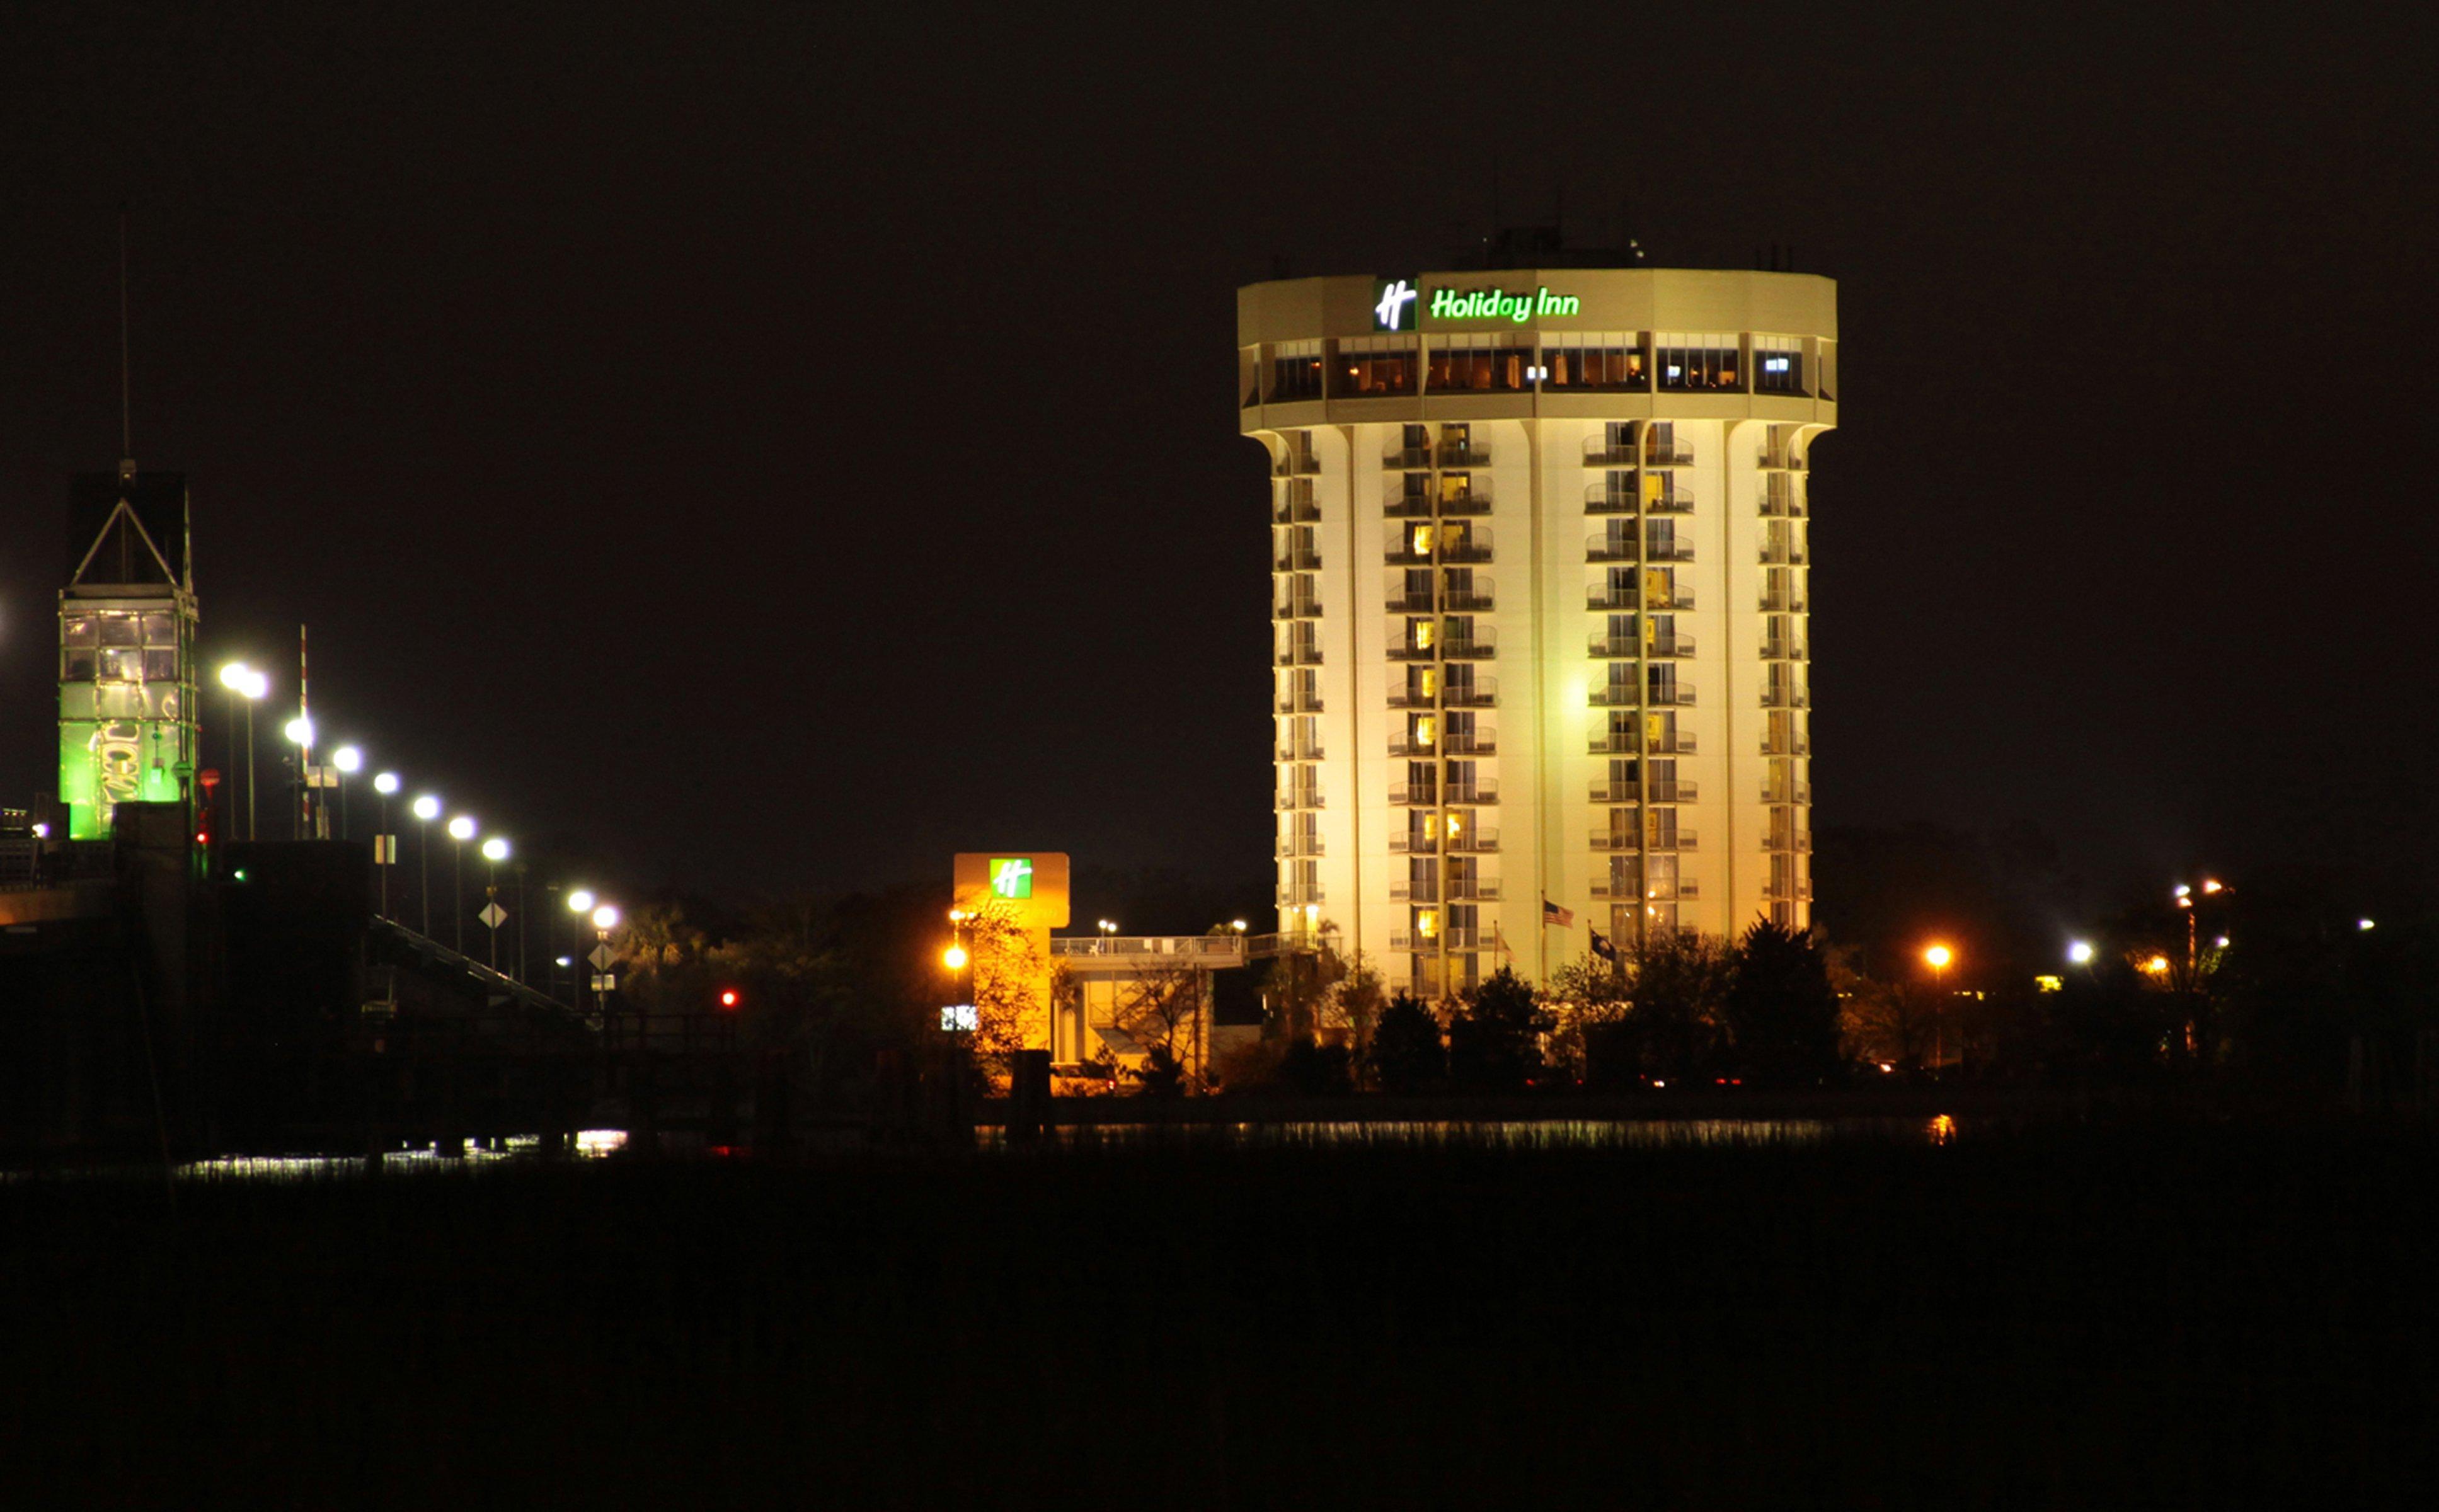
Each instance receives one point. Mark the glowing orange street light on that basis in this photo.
(954, 957)
(728, 997)
(1937, 957)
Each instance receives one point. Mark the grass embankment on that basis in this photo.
(2063, 1317)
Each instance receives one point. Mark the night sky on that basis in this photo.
(776, 448)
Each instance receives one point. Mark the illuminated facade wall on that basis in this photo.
(127, 649)
(1539, 545)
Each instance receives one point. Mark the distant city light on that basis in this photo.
(581, 900)
(2184, 891)
(348, 760)
(495, 848)
(462, 828)
(954, 957)
(2220, 942)
(2211, 886)
(298, 730)
(2363, 923)
(1939, 955)
(427, 808)
(2079, 951)
(2157, 965)
(605, 917)
(386, 784)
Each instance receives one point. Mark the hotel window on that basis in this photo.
(1828, 365)
(1778, 364)
(1375, 366)
(1599, 361)
(1699, 362)
(1483, 368)
(1296, 372)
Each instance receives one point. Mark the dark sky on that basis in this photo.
(779, 447)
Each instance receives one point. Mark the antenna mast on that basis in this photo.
(126, 401)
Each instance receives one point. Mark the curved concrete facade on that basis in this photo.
(1540, 608)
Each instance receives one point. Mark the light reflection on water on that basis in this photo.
(1629, 1134)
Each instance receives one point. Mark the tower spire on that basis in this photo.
(126, 383)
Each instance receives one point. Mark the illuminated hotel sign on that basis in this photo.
(1399, 306)
(1011, 877)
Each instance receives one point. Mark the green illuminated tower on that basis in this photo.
(127, 647)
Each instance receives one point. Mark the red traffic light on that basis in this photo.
(728, 997)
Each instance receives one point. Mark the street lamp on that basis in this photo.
(300, 735)
(1937, 958)
(461, 830)
(349, 761)
(2079, 951)
(427, 809)
(243, 682)
(495, 850)
(605, 918)
(384, 843)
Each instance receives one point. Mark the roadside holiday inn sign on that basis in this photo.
(1399, 305)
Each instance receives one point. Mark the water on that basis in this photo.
(1579, 1134)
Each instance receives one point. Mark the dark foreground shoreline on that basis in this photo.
(2068, 1315)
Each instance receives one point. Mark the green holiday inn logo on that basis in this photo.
(1398, 304)
(1011, 876)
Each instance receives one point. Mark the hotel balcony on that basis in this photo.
(1425, 891)
(1678, 693)
(1781, 650)
(1626, 648)
(1782, 603)
(1299, 656)
(1423, 507)
(1601, 454)
(1680, 839)
(1801, 745)
(1408, 793)
(1781, 508)
(1786, 698)
(1295, 512)
(1616, 696)
(1612, 548)
(1455, 601)
(1446, 940)
(1778, 457)
(1298, 798)
(1799, 890)
(1296, 846)
(1481, 693)
(1483, 643)
(1617, 840)
(1300, 704)
(1798, 840)
(1297, 894)
(1669, 549)
(1411, 458)
(1472, 546)
(1299, 753)
(1295, 561)
(1462, 455)
(1293, 466)
(1476, 841)
(1786, 793)
(1473, 889)
(1780, 554)
(1296, 609)
(1674, 455)
(1413, 843)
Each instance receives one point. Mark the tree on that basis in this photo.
(1494, 1042)
(1163, 1009)
(1593, 1036)
(1680, 984)
(1298, 985)
(1779, 1011)
(1353, 1005)
(1406, 1053)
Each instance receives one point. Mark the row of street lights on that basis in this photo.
(243, 682)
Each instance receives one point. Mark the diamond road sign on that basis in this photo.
(494, 915)
(601, 957)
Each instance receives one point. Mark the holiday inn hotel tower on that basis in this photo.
(1539, 540)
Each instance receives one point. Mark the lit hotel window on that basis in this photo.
(1699, 363)
(1608, 362)
(1296, 372)
(1484, 369)
(1778, 364)
(1374, 366)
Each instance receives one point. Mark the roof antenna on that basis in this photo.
(126, 401)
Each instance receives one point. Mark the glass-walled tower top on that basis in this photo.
(127, 647)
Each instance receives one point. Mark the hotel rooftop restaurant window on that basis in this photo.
(1778, 364)
(1481, 367)
(1605, 361)
(1375, 366)
(1296, 372)
(1699, 362)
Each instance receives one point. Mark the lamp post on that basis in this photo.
(347, 760)
(427, 809)
(300, 734)
(522, 966)
(461, 830)
(384, 843)
(1937, 958)
(605, 918)
(243, 682)
(495, 850)
(579, 902)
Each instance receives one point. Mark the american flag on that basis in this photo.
(1553, 914)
